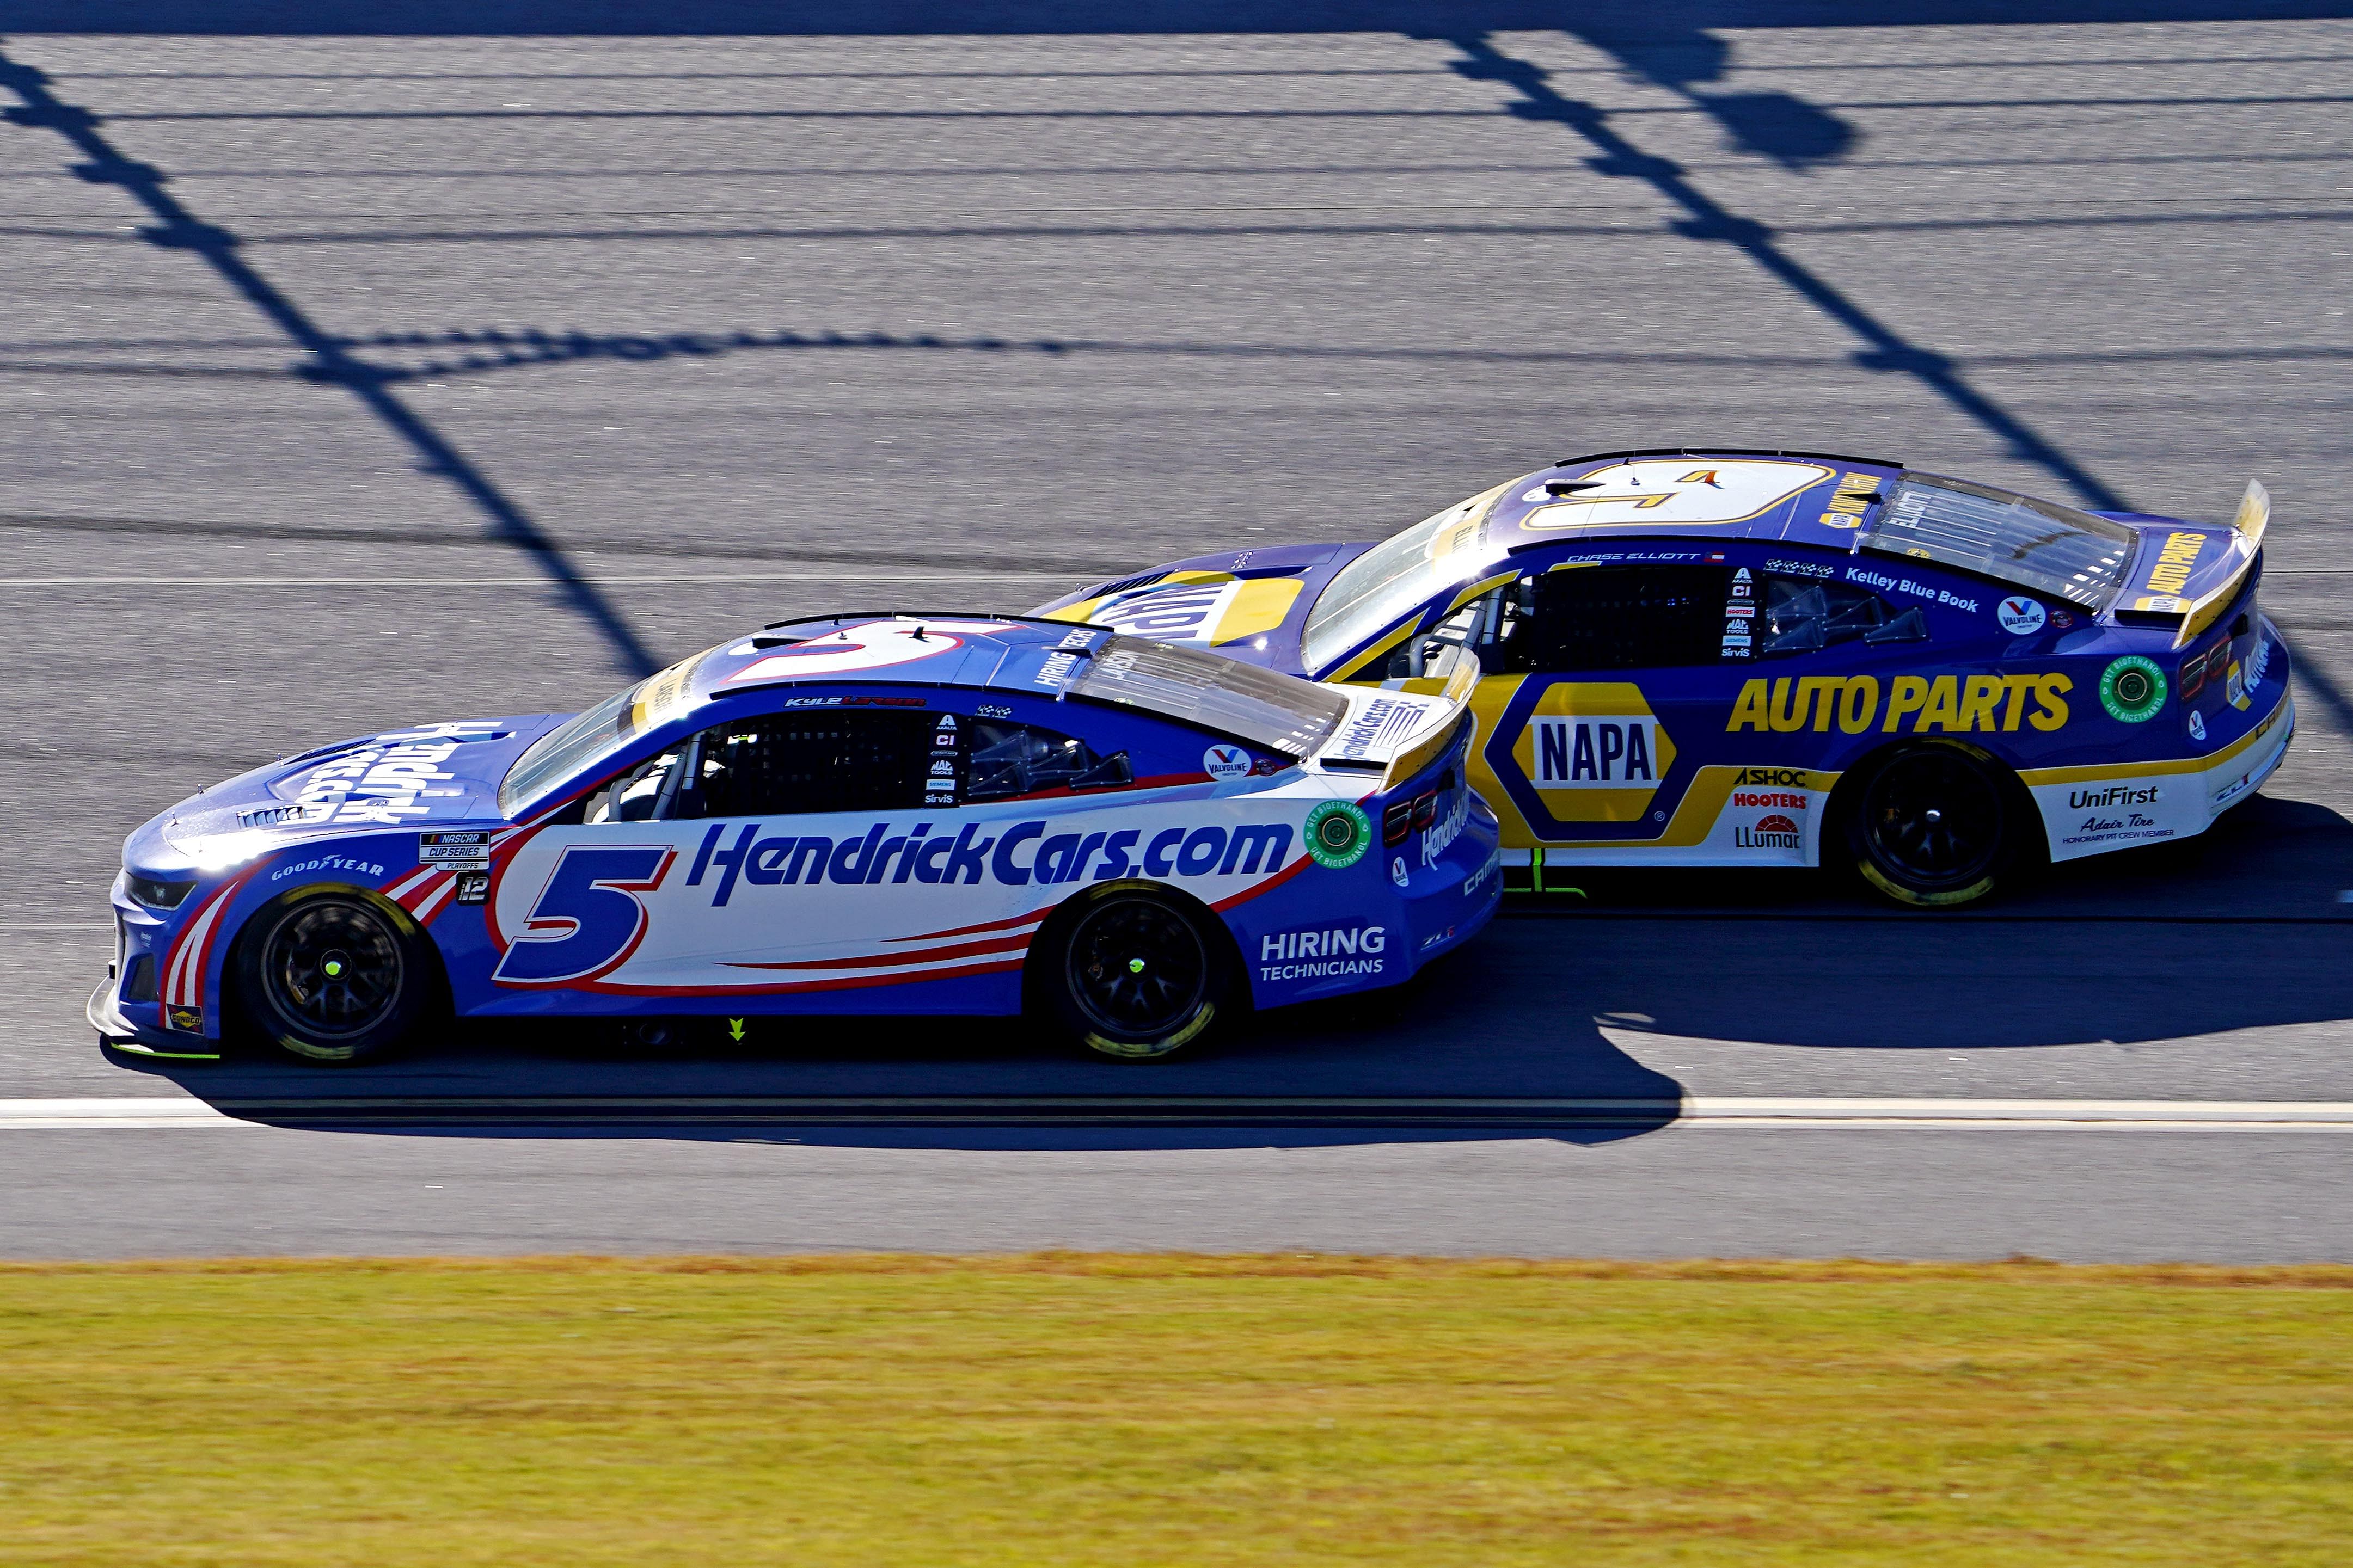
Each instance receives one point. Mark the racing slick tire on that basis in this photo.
(1935, 826)
(1134, 975)
(333, 978)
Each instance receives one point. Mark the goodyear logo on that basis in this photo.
(1916, 704)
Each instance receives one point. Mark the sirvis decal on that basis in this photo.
(1594, 752)
(1676, 490)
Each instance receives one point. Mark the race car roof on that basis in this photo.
(1008, 653)
(1807, 497)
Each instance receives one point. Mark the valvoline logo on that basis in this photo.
(1222, 762)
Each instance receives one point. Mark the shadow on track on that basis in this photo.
(1530, 1032)
(329, 362)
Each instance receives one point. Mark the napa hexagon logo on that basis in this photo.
(1200, 609)
(1594, 752)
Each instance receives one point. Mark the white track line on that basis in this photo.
(2003, 1115)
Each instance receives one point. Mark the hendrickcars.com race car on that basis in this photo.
(1775, 658)
(865, 813)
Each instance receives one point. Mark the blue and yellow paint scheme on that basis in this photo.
(1687, 652)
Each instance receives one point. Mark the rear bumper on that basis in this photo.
(2094, 811)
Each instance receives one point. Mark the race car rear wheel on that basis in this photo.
(1933, 827)
(1136, 977)
(333, 978)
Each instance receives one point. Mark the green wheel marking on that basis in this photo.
(2132, 689)
(1338, 834)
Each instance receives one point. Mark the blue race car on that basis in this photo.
(863, 814)
(1704, 657)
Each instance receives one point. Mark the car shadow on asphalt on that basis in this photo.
(1518, 1035)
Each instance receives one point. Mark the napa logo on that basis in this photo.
(1594, 752)
(1198, 609)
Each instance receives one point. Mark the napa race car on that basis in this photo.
(863, 814)
(1697, 658)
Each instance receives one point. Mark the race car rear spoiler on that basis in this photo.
(2254, 515)
(1401, 728)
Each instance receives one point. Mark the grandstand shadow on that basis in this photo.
(329, 362)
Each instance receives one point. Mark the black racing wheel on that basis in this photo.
(333, 978)
(1134, 975)
(1933, 828)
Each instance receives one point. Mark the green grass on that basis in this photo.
(884, 1411)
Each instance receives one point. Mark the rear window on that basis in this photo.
(1278, 712)
(2035, 544)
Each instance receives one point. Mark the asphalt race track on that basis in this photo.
(352, 381)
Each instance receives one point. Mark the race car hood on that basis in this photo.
(423, 775)
(1248, 604)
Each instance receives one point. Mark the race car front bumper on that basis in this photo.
(118, 1033)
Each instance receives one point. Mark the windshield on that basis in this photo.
(1217, 693)
(1378, 586)
(2012, 537)
(590, 738)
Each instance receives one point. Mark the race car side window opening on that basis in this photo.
(1372, 592)
(1625, 618)
(1220, 694)
(1801, 614)
(1998, 533)
(816, 760)
(1007, 760)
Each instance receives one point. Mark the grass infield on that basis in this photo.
(1080, 1409)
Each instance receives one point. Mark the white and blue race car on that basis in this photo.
(863, 814)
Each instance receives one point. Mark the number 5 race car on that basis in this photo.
(854, 815)
(1768, 658)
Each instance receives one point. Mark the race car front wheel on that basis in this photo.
(1136, 977)
(1932, 829)
(333, 978)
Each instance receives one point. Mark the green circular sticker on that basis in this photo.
(1338, 834)
(2132, 689)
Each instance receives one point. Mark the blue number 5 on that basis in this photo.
(589, 918)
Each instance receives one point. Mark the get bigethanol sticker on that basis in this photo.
(1338, 834)
(2132, 689)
